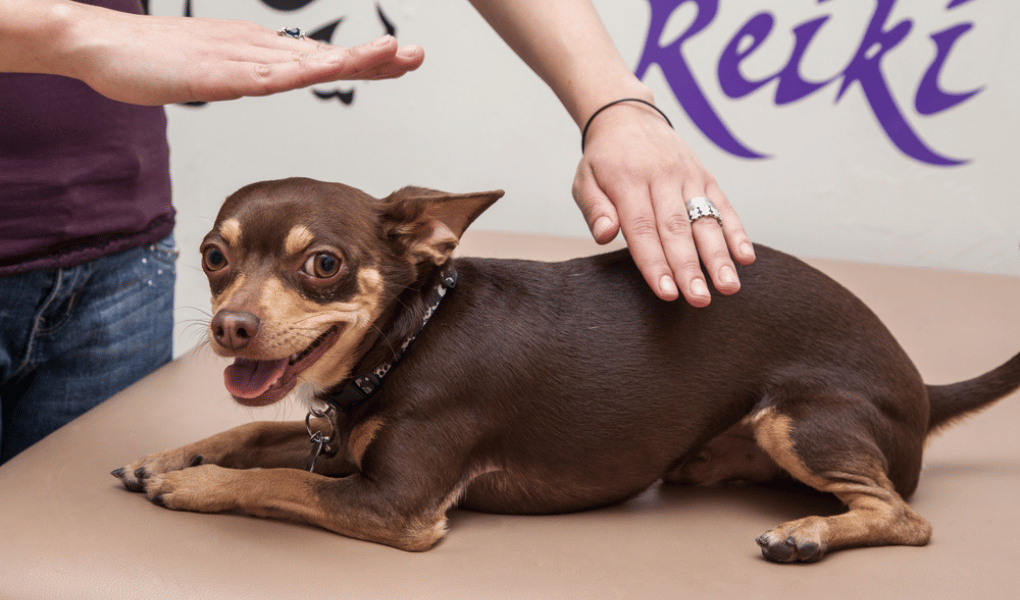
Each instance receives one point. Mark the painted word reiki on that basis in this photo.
(864, 69)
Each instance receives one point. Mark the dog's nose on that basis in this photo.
(234, 329)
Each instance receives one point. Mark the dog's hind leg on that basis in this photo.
(733, 455)
(854, 469)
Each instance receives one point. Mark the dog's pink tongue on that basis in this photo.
(251, 378)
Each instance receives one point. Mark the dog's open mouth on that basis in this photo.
(262, 382)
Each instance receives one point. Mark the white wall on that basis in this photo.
(474, 117)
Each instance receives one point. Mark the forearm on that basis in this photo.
(566, 44)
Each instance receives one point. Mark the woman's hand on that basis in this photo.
(155, 60)
(635, 175)
(162, 60)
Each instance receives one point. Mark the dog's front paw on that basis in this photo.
(205, 488)
(797, 541)
(135, 475)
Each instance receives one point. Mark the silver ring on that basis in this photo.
(701, 207)
(291, 32)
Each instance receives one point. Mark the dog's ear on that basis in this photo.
(426, 225)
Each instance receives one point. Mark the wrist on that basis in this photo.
(33, 33)
(609, 105)
(594, 99)
(76, 33)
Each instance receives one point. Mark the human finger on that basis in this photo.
(637, 220)
(598, 210)
(708, 236)
(380, 59)
(678, 244)
(321, 63)
(737, 240)
(303, 66)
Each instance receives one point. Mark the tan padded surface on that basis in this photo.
(68, 530)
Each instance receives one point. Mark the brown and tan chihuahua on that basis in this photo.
(535, 387)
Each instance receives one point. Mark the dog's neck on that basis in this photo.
(385, 351)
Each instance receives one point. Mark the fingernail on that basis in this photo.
(408, 52)
(699, 287)
(601, 227)
(727, 274)
(747, 249)
(667, 287)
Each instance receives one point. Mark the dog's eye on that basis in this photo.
(322, 265)
(213, 259)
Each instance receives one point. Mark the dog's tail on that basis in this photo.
(956, 400)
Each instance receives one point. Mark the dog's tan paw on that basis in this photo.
(204, 488)
(135, 475)
(797, 541)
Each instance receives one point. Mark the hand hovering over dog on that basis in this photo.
(151, 60)
(636, 173)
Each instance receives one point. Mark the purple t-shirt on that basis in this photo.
(81, 176)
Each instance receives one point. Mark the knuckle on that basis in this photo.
(262, 77)
(687, 268)
(670, 163)
(712, 187)
(659, 165)
(252, 28)
(677, 225)
(577, 191)
(262, 71)
(717, 260)
(643, 227)
(693, 186)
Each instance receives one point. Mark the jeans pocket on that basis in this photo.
(165, 252)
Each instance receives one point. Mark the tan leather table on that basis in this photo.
(68, 529)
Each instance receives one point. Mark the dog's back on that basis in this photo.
(596, 388)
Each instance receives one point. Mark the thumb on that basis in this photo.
(598, 210)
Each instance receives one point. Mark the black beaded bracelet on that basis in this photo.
(584, 133)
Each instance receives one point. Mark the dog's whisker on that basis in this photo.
(190, 267)
(382, 336)
(198, 328)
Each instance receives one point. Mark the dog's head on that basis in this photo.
(304, 273)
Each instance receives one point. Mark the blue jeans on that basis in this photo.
(71, 338)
